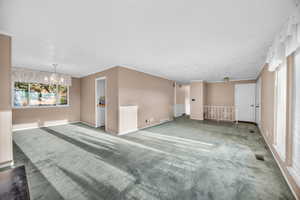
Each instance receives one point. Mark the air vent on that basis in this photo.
(259, 157)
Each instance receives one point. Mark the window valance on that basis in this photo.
(286, 42)
(34, 76)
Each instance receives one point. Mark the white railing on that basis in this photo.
(220, 113)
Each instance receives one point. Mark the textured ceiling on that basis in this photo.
(181, 40)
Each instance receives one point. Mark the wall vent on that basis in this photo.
(259, 157)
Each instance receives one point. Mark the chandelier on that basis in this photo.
(54, 78)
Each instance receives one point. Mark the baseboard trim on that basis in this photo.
(134, 130)
(126, 132)
(278, 164)
(34, 127)
(294, 174)
(157, 124)
(6, 164)
(88, 124)
(246, 122)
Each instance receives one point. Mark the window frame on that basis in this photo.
(282, 146)
(38, 107)
(293, 168)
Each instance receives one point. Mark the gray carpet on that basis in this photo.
(183, 159)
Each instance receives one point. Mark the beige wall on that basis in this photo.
(153, 95)
(88, 99)
(5, 63)
(267, 117)
(39, 117)
(267, 102)
(197, 93)
(180, 93)
(221, 93)
(6, 155)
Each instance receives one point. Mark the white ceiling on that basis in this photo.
(178, 39)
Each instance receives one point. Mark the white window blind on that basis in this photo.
(281, 84)
(295, 168)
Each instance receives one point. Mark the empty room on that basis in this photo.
(150, 100)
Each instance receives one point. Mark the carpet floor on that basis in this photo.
(183, 159)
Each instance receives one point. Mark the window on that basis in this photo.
(39, 95)
(295, 165)
(21, 94)
(62, 95)
(280, 117)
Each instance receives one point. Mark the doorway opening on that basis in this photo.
(101, 103)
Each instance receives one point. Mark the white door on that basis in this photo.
(245, 102)
(258, 102)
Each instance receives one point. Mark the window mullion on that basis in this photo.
(28, 97)
(57, 95)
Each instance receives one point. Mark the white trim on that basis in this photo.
(175, 99)
(96, 99)
(38, 126)
(280, 142)
(6, 33)
(126, 132)
(90, 125)
(38, 107)
(294, 168)
(278, 164)
(258, 101)
(149, 126)
(295, 175)
(7, 164)
(156, 124)
(86, 123)
(282, 156)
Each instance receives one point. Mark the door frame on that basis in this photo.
(235, 101)
(96, 99)
(258, 106)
